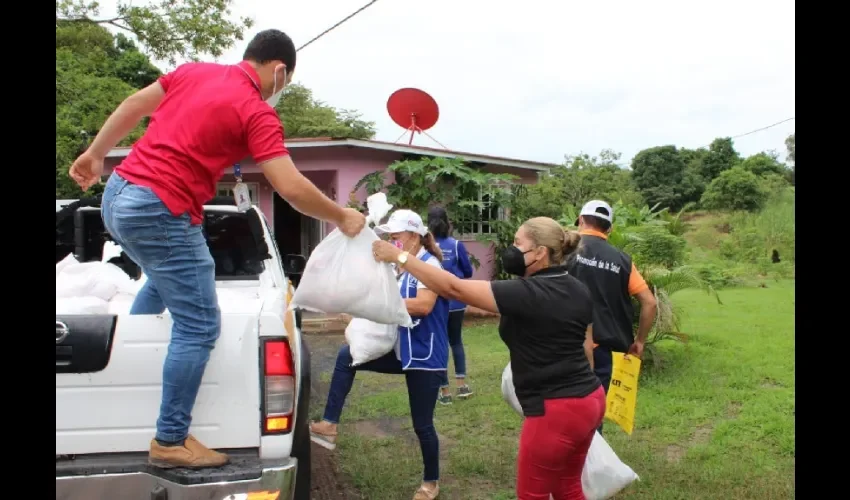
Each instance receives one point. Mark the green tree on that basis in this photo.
(764, 163)
(790, 145)
(693, 179)
(721, 156)
(305, 116)
(95, 71)
(735, 189)
(659, 173)
(581, 178)
(168, 29)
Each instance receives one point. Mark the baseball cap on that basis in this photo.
(598, 208)
(403, 220)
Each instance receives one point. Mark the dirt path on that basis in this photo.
(329, 482)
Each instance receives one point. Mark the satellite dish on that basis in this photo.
(414, 110)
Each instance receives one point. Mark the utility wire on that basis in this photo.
(320, 35)
(757, 130)
(627, 165)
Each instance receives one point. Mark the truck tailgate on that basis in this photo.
(115, 409)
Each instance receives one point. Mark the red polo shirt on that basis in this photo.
(211, 117)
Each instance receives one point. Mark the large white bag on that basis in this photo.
(342, 276)
(368, 340)
(604, 474)
(92, 279)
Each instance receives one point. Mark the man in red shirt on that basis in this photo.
(205, 117)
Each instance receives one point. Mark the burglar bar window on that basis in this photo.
(479, 222)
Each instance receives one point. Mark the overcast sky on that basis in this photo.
(538, 79)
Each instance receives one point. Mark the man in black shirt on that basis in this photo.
(613, 280)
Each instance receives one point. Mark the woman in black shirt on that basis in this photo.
(546, 319)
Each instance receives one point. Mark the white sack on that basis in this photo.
(68, 260)
(342, 276)
(93, 279)
(508, 391)
(110, 251)
(604, 474)
(121, 303)
(81, 305)
(368, 340)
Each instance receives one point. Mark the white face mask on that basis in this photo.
(275, 97)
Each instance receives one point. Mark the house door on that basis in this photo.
(287, 227)
(312, 232)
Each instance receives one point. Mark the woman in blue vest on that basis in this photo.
(421, 352)
(455, 261)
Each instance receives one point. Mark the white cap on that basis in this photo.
(598, 208)
(403, 220)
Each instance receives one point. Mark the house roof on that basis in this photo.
(324, 142)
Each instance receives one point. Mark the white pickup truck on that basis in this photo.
(254, 398)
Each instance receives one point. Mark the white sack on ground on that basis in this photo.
(342, 276)
(604, 474)
(368, 340)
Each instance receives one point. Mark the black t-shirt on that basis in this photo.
(544, 323)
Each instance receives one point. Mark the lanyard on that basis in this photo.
(237, 172)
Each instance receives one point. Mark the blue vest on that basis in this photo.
(450, 263)
(424, 346)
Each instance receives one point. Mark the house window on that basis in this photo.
(226, 189)
(478, 219)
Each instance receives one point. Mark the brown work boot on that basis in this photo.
(428, 491)
(192, 455)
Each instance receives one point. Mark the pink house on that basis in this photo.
(335, 166)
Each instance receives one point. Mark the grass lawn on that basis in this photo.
(716, 420)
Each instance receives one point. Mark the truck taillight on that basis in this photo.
(278, 387)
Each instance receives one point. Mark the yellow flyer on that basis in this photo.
(622, 393)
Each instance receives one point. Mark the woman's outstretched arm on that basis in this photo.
(476, 293)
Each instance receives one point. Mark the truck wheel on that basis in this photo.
(301, 448)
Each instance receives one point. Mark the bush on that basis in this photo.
(734, 189)
(718, 276)
(754, 237)
(655, 246)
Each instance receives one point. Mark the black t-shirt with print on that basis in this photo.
(544, 322)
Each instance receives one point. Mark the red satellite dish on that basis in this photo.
(414, 110)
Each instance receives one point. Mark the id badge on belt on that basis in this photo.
(240, 191)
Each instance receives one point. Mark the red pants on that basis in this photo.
(552, 448)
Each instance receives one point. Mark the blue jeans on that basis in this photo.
(603, 366)
(422, 388)
(455, 330)
(174, 255)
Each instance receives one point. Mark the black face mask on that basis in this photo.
(513, 261)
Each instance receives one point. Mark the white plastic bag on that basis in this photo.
(368, 340)
(67, 261)
(604, 474)
(93, 279)
(508, 390)
(342, 276)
